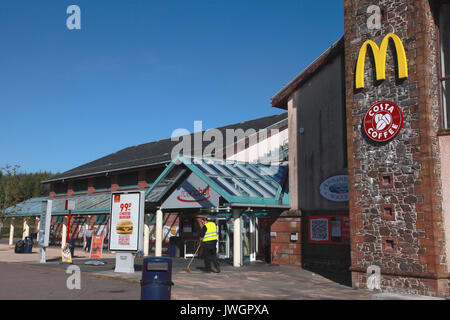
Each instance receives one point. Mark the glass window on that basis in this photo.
(152, 174)
(129, 179)
(100, 219)
(60, 188)
(80, 186)
(102, 183)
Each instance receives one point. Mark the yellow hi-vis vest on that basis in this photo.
(211, 232)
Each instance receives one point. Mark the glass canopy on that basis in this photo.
(236, 182)
(86, 204)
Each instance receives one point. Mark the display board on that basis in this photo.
(126, 223)
(96, 247)
(329, 229)
(45, 222)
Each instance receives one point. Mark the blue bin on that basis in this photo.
(28, 248)
(156, 282)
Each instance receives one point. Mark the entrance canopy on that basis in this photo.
(208, 182)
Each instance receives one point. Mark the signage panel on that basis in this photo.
(383, 121)
(126, 223)
(45, 222)
(379, 55)
(329, 229)
(96, 247)
(335, 188)
(192, 193)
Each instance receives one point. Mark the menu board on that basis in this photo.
(126, 221)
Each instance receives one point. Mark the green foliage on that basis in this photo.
(17, 187)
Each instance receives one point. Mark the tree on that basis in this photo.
(17, 187)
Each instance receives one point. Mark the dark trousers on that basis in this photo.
(209, 251)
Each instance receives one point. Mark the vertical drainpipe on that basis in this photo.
(237, 238)
(159, 232)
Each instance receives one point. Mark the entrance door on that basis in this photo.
(223, 245)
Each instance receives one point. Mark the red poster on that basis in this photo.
(329, 229)
(96, 247)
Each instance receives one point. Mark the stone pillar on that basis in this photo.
(64, 234)
(38, 225)
(146, 240)
(159, 233)
(237, 238)
(395, 187)
(11, 232)
(252, 239)
(26, 229)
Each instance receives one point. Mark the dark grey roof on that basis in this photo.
(152, 153)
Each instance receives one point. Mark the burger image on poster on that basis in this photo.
(124, 227)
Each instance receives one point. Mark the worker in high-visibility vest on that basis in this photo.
(208, 239)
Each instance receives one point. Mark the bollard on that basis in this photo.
(156, 282)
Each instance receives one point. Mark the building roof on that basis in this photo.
(153, 153)
(280, 99)
(238, 183)
(84, 204)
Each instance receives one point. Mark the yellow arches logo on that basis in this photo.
(379, 55)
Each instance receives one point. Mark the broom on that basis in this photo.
(192, 259)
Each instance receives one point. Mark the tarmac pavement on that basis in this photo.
(255, 281)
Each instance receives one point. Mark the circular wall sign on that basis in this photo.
(335, 188)
(383, 121)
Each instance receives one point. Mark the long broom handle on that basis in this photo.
(194, 255)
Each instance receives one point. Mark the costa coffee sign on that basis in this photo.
(383, 121)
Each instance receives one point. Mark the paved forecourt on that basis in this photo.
(256, 281)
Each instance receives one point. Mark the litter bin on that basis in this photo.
(28, 247)
(20, 246)
(156, 282)
(72, 247)
(174, 247)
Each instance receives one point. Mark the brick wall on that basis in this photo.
(283, 250)
(396, 224)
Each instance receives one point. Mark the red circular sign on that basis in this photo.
(383, 121)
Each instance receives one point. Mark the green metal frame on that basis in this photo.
(224, 194)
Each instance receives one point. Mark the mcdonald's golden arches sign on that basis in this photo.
(379, 55)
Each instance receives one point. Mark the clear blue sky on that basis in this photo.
(138, 69)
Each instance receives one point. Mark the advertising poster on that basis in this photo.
(125, 222)
(96, 247)
(329, 229)
(66, 256)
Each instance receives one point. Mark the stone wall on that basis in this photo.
(395, 189)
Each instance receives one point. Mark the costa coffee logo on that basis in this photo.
(195, 195)
(383, 121)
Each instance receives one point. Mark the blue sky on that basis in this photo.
(139, 69)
